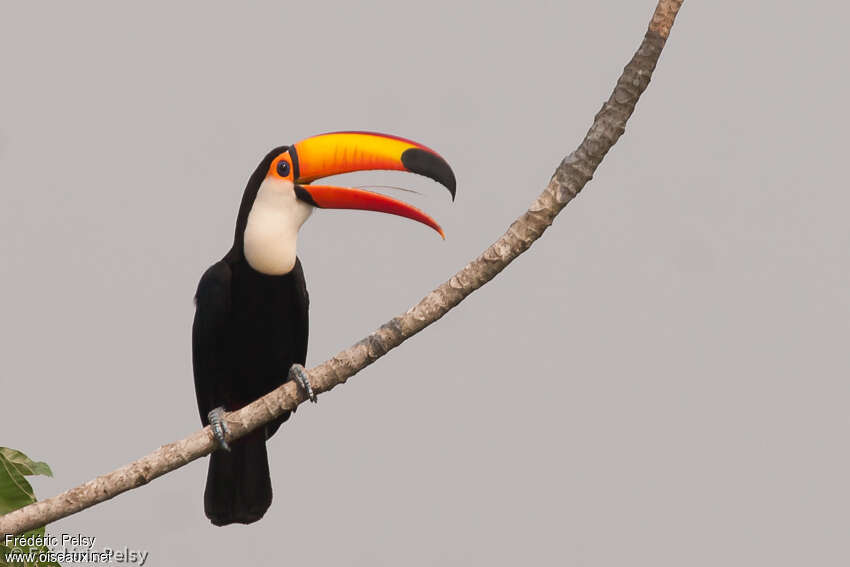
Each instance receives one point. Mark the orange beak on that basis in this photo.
(345, 152)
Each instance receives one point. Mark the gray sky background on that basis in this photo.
(661, 380)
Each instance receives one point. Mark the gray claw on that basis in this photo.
(219, 427)
(297, 373)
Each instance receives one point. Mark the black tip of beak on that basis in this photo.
(430, 165)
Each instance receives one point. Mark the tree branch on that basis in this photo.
(570, 177)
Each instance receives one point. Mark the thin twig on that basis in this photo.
(570, 177)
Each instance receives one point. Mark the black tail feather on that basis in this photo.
(239, 488)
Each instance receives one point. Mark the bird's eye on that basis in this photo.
(283, 168)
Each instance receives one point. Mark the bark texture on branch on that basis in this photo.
(570, 177)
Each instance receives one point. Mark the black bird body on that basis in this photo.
(252, 327)
(249, 329)
(252, 306)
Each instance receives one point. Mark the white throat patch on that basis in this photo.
(272, 230)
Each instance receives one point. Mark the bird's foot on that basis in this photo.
(297, 373)
(219, 427)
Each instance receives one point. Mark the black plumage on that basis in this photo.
(249, 329)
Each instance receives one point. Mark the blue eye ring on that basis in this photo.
(283, 168)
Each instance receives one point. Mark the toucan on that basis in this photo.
(249, 334)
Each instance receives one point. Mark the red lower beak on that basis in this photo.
(331, 197)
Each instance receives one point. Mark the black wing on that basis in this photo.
(209, 338)
(302, 316)
(300, 322)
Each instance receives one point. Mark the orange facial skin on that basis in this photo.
(273, 168)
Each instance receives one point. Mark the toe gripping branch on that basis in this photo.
(216, 417)
(297, 373)
(219, 427)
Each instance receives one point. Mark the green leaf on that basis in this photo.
(16, 492)
(24, 464)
